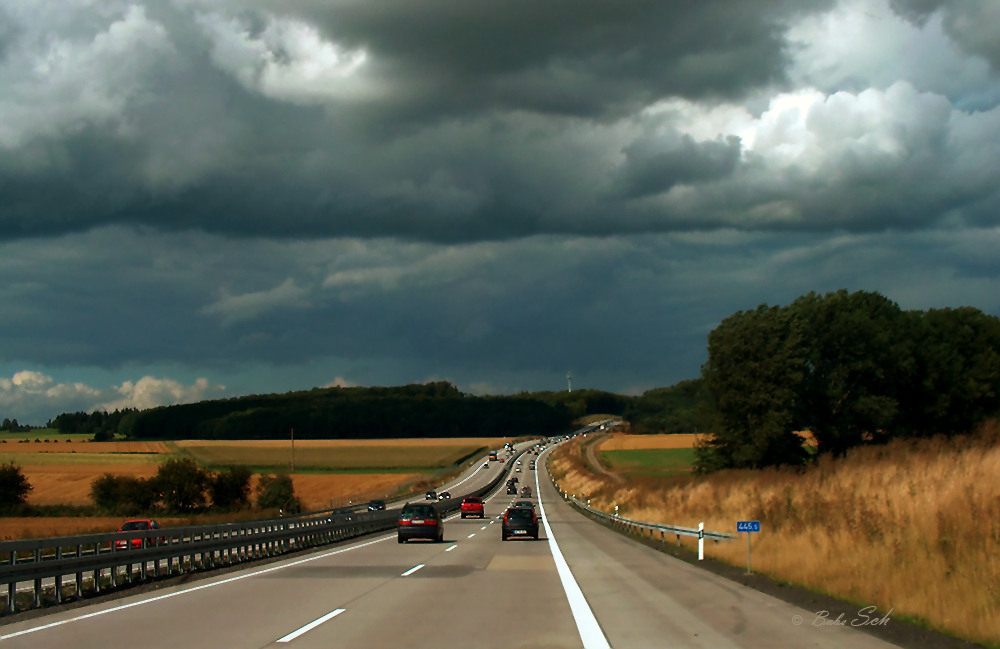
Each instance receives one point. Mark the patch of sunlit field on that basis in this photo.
(319, 491)
(623, 442)
(335, 455)
(69, 484)
(911, 526)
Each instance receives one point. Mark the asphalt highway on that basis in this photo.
(581, 585)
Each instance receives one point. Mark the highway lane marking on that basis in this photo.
(412, 570)
(451, 548)
(312, 625)
(483, 527)
(194, 588)
(471, 535)
(590, 631)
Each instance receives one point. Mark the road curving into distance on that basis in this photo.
(580, 586)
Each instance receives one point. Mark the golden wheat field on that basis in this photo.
(912, 526)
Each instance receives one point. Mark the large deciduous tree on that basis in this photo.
(753, 375)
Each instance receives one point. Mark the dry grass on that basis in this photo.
(911, 526)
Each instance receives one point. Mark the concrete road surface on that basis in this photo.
(581, 585)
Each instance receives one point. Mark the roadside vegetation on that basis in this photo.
(911, 526)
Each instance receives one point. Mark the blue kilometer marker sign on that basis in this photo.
(747, 526)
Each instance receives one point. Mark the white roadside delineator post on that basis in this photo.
(701, 541)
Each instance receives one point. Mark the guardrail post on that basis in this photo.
(11, 587)
(79, 575)
(38, 582)
(58, 578)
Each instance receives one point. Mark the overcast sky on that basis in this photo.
(210, 198)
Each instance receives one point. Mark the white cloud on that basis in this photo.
(54, 83)
(149, 392)
(288, 60)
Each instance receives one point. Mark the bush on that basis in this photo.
(230, 489)
(182, 484)
(14, 487)
(278, 492)
(126, 495)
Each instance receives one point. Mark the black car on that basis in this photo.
(420, 521)
(444, 495)
(376, 505)
(431, 495)
(519, 521)
(511, 490)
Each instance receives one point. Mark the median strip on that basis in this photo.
(312, 625)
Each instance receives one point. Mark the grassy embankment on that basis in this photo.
(911, 527)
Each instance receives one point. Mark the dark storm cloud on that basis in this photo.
(581, 58)
(162, 116)
(655, 164)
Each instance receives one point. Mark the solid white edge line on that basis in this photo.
(590, 631)
(194, 588)
(412, 570)
(312, 625)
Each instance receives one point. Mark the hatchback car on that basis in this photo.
(511, 490)
(376, 505)
(142, 524)
(519, 521)
(420, 521)
(526, 491)
(473, 506)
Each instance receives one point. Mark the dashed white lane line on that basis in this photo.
(193, 589)
(471, 535)
(451, 548)
(412, 570)
(590, 631)
(312, 625)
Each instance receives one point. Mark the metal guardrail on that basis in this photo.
(642, 527)
(99, 559)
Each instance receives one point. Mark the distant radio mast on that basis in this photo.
(569, 382)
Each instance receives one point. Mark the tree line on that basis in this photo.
(852, 368)
(420, 410)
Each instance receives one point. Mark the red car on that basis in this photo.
(133, 525)
(473, 506)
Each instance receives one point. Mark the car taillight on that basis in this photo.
(404, 521)
(430, 521)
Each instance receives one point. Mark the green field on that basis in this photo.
(347, 459)
(660, 461)
(43, 434)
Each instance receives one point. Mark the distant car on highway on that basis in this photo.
(511, 490)
(431, 495)
(420, 521)
(138, 524)
(376, 505)
(526, 491)
(444, 495)
(473, 506)
(519, 521)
